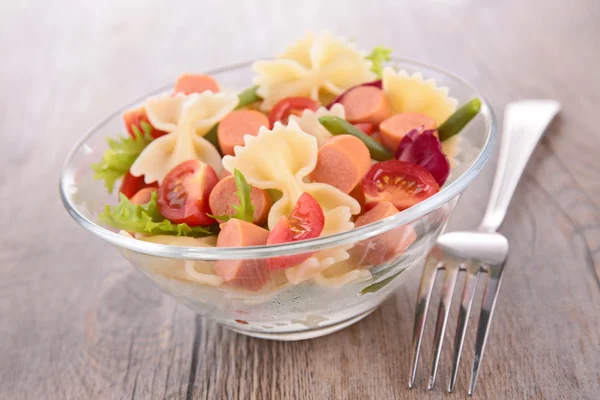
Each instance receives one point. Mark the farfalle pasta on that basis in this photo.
(336, 221)
(311, 65)
(413, 93)
(186, 119)
(194, 271)
(316, 264)
(292, 156)
(309, 121)
(326, 141)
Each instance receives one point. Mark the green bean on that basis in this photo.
(246, 97)
(211, 136)
(375, 287)
(457, 121)
(339, 126)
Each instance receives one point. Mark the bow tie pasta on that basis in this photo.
(312, 64)
(187, 119)
(281, 159)
(411, 93)
(388, 139)
(336, 220)
(292, 155)
(309, 121)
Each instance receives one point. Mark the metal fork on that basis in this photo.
(480, 251)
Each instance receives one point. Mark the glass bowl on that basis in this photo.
(338, 295)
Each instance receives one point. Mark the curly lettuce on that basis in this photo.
(379, 55)
(146, 219)
(121, 155)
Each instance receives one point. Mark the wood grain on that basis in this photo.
(77, 322)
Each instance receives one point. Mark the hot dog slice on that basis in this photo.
(386, 246)
(236, 125)
(366, 127)
(143, 196)
(342, 162)
(195, 83)
(366, 104)
(224, 196)
(135, 117)
(246, 274)
(359, 196)
(394, 128)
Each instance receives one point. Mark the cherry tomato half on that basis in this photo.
(136, 117)
(399, 182)
(306, 221)
(183, 193)
(133, 184)
(290, 105)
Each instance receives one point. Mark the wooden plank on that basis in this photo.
(78, 322)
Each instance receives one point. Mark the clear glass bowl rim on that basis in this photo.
(252, 252)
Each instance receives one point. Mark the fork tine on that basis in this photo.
(485, 319)
(424, 295)
(450, 277)
(463, 319)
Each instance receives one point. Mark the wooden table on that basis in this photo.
(77, 322)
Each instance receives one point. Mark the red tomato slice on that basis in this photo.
(136, 117)
(183, 193)
(399, 182)
(290, 105)
(306, 221)
(133, 184)
(365, 127)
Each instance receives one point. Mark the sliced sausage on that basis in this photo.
(143, 196)
(136, 117)
(224, 196)
(342, 162)
(195, 83)
(377, 137)
(366, 127)
(236, 125)
(382, 210)
(245, 274)
(358, 195)
(386, 246)
(394, 128)
(366, 104)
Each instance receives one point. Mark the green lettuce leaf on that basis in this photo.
(248, 97)
(378, 56)
(245, 210)
(146, 219)
(121, 155)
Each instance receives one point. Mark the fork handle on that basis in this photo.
(524, 123)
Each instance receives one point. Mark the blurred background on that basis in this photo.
(76, 321)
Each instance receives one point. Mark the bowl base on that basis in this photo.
(303, 335)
